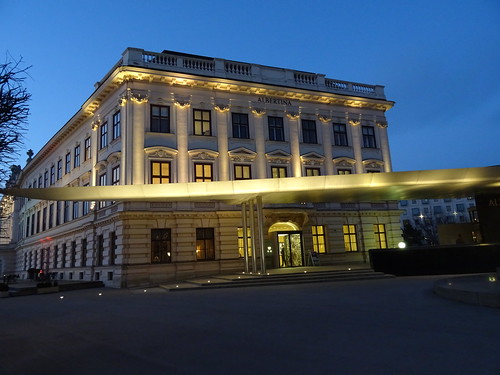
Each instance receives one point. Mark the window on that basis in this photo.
(63, 256)
(340, 135)
(46, 179)
(415, 211)
(44, 219)
(112, 248)
(161, 245)
(76, 157)
(202, 122)
(276, 129)
(278, 172)
(115, 175)
(369, 137)
(160, 172)
(313, 172)
(100, 250)
(460, 207)
(403, 203)
(309, 131)
(86, 206)
(59, 169)
(380, 236)
(83, 261)
(103, 181)
(160, 119)
(116, 125)
(51, 215)
(67, 165)
(66, 212)
(103, 136)
(350, 237)
(437, 210)
(205, 244)
(241, 243)
(56, 254)
(242, 172)
(240, 125)
(344, 171)
(203, 172)
(318, 238)
(40, 181)
(52, 175)
(38, 222)
(87, 144)
(72, 256)
(75, 209)
(58, 212)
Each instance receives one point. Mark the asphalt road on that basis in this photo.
(391, 326)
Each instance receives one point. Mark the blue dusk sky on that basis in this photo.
(439, 60)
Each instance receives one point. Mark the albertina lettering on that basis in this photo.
(265, 100)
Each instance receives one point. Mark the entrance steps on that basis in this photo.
(297, 276)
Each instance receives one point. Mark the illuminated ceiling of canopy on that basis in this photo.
(444, 183)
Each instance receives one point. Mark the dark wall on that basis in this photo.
(439, 260)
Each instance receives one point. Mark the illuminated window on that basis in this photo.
(242, 172)
(369, 137)
(380, 236)
(160, 172)
(276, 129)
(103, 136)
(344, 171)
(309, 131)
(241, 243)
(313, 172)
(318, 237)
(87, 145)
(240, 125)
(202, 172)
(116, 125)
(76, 159)
(340, 135)
(205, 244)
(160, 119)
(350, 237)
(161, 245)
(202, 122)
(278, 172)
(67, 166)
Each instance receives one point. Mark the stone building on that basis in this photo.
(166, 118)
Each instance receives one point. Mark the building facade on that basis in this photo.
(166, 118)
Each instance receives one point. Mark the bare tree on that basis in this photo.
(14, 111)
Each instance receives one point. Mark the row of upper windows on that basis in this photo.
(64, 166)
(202, 125)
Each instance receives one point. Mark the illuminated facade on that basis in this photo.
(166, 118)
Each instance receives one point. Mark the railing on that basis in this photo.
(237, 68)
(249, 72)
(196, 64)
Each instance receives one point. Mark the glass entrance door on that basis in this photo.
(290, 249)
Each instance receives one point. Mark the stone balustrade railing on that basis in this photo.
(208, 66)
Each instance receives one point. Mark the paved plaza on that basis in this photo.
(388, 326)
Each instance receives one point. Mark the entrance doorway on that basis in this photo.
(290, 252)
